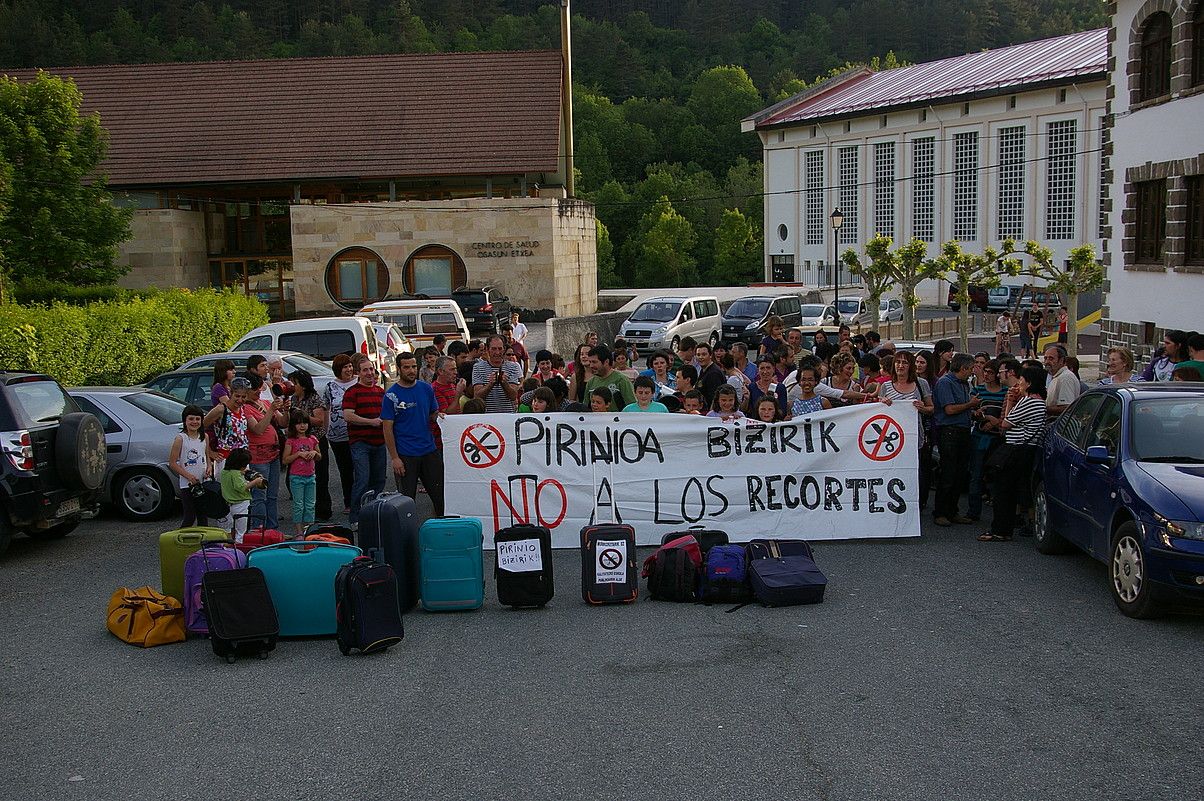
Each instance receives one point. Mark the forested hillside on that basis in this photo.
(661, 84)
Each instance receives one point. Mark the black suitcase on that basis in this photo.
(522, 566)
(242, 618)
(707, 537)
(389, 526)
(784, 573)
(609, 574)
(367, 606)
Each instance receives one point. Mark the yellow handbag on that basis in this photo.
(145, 617)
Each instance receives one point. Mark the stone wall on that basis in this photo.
(564, 334)
(167, 249)
(540, 250)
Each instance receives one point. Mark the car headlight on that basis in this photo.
(752, 326)
(1185, 529)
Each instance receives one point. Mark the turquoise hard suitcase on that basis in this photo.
(300, 577)
(453, 577)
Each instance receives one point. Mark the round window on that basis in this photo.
(783, 232)
(356, 277)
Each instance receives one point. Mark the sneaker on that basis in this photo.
(942, 521)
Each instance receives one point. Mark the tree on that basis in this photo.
(666, 239)
(970, 268)
(1082, 273)
(738, 249)
(61, 224)
(903, 269)
(607, 277)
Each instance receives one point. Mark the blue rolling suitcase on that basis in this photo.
(453, 576)
(300, 577)
(389, 526)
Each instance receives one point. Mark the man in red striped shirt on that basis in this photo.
(361, 410)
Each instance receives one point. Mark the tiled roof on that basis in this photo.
(1061, 59)
(395, 116)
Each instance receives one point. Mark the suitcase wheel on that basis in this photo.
(346, 651)
(230, 659)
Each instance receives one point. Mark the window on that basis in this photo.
(1076, 422)
(356, 277)
(1106, 430)
(850, 232)
(434, 270)
(1012, 145)
(165, 409)
(923, 188)
(884, 188)
(324, 345)
(1151, 222)
(1194, 249)
(108, 423)
(440, 323)
(1155, 64)
(782, 268)
(783, 232)
(260, 342)
(1062, 155)
(965, 186)
(813, 183)
(1197, 46)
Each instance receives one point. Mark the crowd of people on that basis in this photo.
(979, 419)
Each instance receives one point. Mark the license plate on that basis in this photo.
(68, 507)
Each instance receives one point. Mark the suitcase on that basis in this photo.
(174, 549)
(707, 538)
(389, 525)
(522, 566)
(259, 537)
(453, 574)
(674, 570)
(242, 619)
(784, 573)
(608, 570)
(367, 606)
(210, 556)
(334, 530)
(300, 577)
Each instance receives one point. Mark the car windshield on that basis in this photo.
(812, 311)
(163, 408)
(749, 308)
(655, 313)
(1168, 430)
(848, 305)
(469, 298)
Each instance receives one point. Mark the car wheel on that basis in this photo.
(54, 532)
(142, 494)
(1132, 590)
(1046, 539)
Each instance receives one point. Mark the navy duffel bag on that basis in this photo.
(784, 573)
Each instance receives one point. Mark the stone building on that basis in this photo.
(320, 184)
(1154, 172)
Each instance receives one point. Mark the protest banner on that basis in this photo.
(841, 474)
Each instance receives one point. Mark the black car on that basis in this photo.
(744, 321)
(484, 309)
(54, 458)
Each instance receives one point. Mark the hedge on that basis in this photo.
(124, 342)
(47, 293)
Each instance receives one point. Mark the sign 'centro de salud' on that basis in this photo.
(842, 474)
(513, 249)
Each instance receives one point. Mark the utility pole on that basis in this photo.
(566, 96)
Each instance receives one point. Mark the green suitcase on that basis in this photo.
(174, 549)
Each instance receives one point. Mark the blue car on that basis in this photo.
(1123, 480)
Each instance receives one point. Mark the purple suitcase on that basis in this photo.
(210, 556)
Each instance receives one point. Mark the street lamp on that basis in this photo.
(837, 220)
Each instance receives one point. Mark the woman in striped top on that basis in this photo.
(1023, 427)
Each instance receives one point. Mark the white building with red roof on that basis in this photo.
(1005, 143)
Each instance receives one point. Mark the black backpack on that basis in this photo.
(673, 571)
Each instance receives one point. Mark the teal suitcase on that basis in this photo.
(451, 557)
(300, 577)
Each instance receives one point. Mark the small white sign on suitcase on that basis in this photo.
(520, 556)
(611, 564)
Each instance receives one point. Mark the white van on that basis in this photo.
(664, 322)
(854, 310)
(320, 337)
(420, 320)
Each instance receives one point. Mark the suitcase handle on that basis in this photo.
(191, 536)
(304, 546)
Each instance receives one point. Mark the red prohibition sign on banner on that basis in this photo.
(881, 438)
(481, 446)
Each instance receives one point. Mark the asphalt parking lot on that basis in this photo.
(937, 668)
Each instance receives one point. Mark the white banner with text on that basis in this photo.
(842, 474)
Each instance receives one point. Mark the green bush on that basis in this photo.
(124, 342)
(47, 293)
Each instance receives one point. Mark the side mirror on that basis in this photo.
(1098, 454)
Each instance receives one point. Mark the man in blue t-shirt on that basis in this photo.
(406, 414)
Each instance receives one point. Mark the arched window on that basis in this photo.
(1155, 64)
(1197, 45)
(434, 270)
(355, 277)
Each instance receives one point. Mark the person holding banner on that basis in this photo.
(601, 364)
(645, 388)
(808, 402)
(725, 403)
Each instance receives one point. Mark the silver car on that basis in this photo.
(390, 341)
(890, 310)
(139, 425)
(320, 370)
(817, 314)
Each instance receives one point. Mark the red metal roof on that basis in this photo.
(1062, 58)
(394, 116)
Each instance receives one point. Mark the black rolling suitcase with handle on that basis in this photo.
(784, 573)
(388, 525)
(367, 606)
(609, 574)
(242, 617)
(523, 566)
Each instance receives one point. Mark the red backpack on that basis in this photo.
(674, 569)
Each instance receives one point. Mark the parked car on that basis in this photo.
(420, 319)
(391, 342)
(484, 309)
(890, 310)
(139, 425)
(187, 386)
(744, 320)
(1123, 480)
(978, 298)
(1041, 300)
(815, 315)
(910, 346)
(320, 337)
(1002, 298)
(320, 370)
(54, 461)
(854, 310)
(664, 322)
